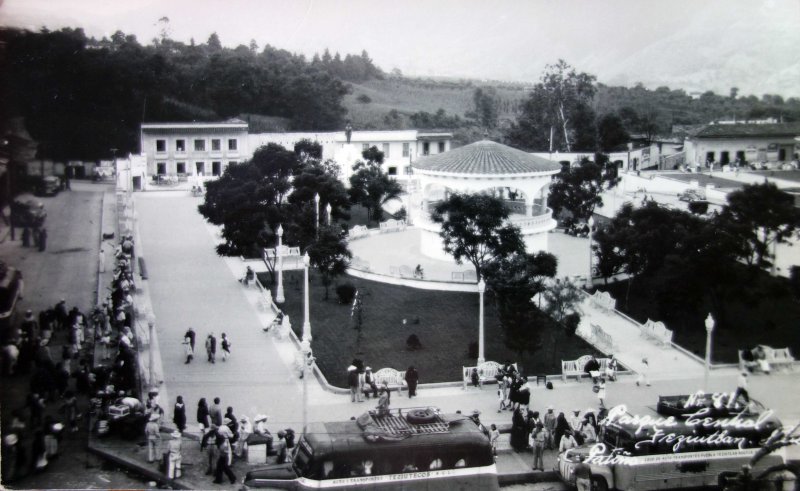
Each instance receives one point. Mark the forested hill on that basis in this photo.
(82, 97)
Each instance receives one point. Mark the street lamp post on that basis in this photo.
(151, 324)
(279, 251)
(306, 342)
(316, 208)
(590, 222)
(709, 332)
(328, 209)
(481, 290)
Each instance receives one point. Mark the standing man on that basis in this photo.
(42, 239)
(211, 347)
(352, 382)
(175, 446)
(412, 379)
(215, 412)
(741, 390)
(226, 347)
(550, 426)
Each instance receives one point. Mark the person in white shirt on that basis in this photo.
(567, 442)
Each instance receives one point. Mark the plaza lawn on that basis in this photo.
(448, 322)
(772, 320)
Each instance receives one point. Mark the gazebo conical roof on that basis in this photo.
(485, 157)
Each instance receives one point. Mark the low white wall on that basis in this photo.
(419, 284)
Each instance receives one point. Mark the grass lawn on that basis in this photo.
(358, 216)
(448, 322)
(771, 321)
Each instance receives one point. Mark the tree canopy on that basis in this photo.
(576, 189)
(474, 228)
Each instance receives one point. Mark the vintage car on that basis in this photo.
(692, 195)
(49, 186)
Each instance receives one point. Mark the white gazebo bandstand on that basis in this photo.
(520, 179)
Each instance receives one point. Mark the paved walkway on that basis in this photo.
(663, 361)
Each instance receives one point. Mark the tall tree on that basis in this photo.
(370, 186)
(485, 107)
(561, 297)
(475, 228)
(764, 216)
(549, 113)
(611, 132)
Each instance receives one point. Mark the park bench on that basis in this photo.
(574, 368)
(359, 264)
(393, 225)
(775, 357)
(602, 338)
(487, 372)
(604, 301)
(467, 276)
(656, 331)
(394, 379)
(358, 232)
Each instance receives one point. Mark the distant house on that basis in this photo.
(743, 142)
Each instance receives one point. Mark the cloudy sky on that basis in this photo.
(689, 44)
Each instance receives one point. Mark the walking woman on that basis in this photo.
(519, 431)
(203, 417)
(562, 426)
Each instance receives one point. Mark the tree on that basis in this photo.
(474, 228)
(561, 297)
(764, 216)
(611, 132)
(329, 255)
(370, 186)
(247, 201)
(515, 280)
(485, 109)
(550, 112)
(577, 189)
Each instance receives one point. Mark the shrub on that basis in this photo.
(346, 292)
(571, 322)
(413, 343)
(698, 207)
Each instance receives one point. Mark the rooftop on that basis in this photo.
(486, 157)
(789, 130)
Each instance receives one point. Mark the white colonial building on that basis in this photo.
(182, 150)
(520, 179)
(744, 142)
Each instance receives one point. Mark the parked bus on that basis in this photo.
(410, 449)
(644, 452)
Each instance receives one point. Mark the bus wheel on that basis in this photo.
(421, 416)
(599, 484)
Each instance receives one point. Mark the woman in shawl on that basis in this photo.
(179, 414)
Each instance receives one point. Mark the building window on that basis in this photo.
(199, 145)
(181, 167)
(406, 149)
(709, 156)
(386, 150)
(364, 147)
(161, 145)
(201, 168)
(392, 171)
(216, 145)
(426, 148)
(216, 168)
(180, 145)
(233, 162)
(161, 168)
(233, 144)
(441, 147)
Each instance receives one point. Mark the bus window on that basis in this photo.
(367, 467)
(460, 463)
(436, 464)
(410, 468)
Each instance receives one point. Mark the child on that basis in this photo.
(494, 435)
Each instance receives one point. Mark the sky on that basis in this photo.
(695, 45)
